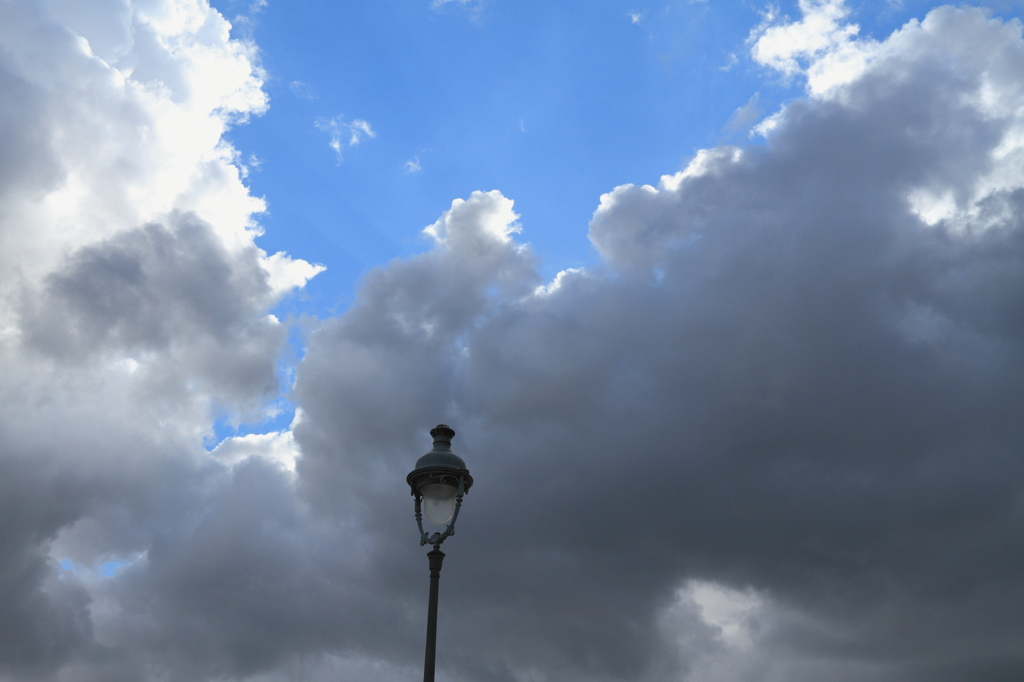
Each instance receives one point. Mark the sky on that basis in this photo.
(724, 301)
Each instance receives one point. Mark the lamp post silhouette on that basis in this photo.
(438, 483)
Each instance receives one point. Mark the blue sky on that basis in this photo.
(554, 104)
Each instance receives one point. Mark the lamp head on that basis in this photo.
(440, 479)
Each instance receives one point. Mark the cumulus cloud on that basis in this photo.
(175, 296)
(134, 308)
(821, 45)
(773, 435)
(278, 446)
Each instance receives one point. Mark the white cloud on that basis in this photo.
(485, 215)
(339, 130)
(765, 127)
(560, 280)
(820, 46)
(820, 30)
(730, 611)
(277, 447)
(303, 90)
(436, 4)
(285, 273)
(412, 165)
(161, 152)
(357, 129)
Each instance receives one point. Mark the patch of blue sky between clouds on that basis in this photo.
(277, 414)
(106, 569)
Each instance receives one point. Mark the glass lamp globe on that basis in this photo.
(438, 502)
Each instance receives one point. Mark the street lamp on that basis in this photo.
(438, 483)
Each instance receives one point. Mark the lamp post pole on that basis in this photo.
(435, 556)
(438, 484)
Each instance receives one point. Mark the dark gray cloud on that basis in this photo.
(175, 293)
(794, 376)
